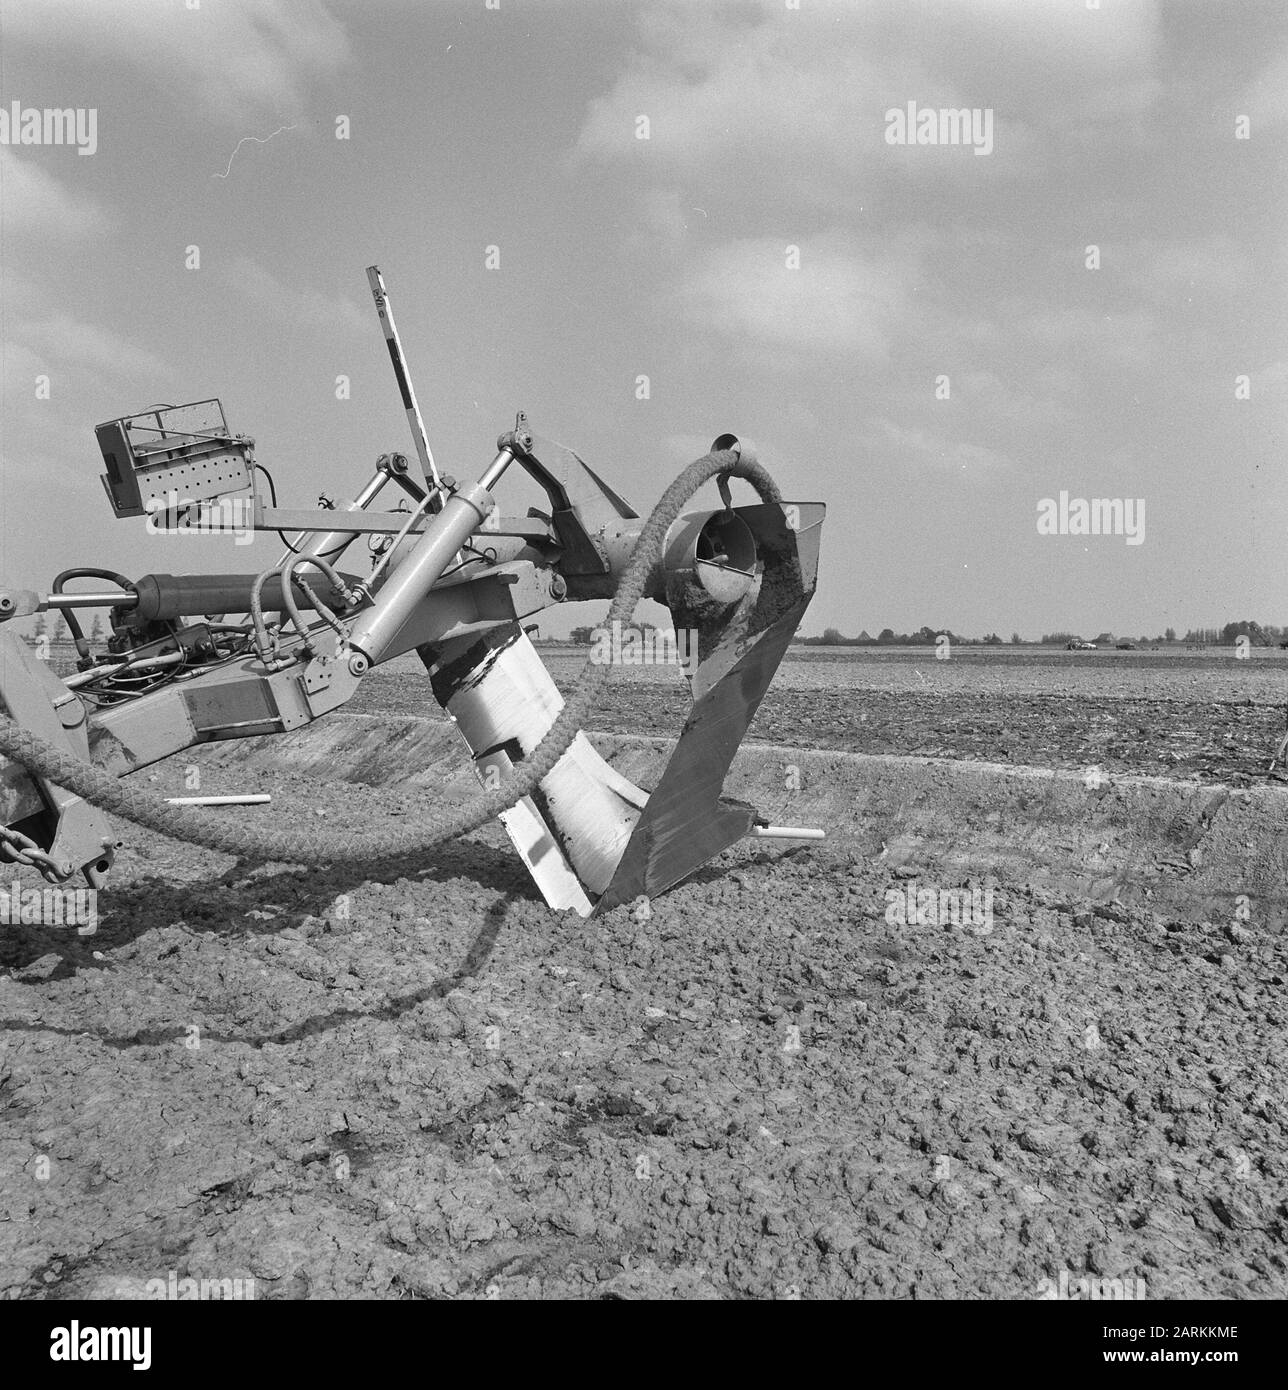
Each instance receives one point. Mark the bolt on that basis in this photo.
(358, 664)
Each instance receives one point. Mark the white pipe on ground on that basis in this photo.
(244, 799)
(787, 832)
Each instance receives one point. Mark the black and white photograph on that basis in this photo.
(644, 657)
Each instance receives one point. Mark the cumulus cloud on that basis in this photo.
(49, 437)
(1131, 339)
(236, 60)
(33, 200)
(750, 110)
(792, 104)
(929, 448)
(297, 308)
(838, 300)
(1265, 99)
(64, 341)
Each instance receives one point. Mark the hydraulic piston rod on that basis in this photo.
(330, 544)
(461, 516)
(104, 600)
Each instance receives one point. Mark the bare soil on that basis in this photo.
(413, 1080)
(1184, 715)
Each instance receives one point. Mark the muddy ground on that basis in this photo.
(415, 1081)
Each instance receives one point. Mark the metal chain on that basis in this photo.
(17, 848)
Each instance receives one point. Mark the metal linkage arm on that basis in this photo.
(376, 630)
(408, 392)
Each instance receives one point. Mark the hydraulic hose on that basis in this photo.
(303, 846)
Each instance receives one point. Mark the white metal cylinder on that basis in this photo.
(573, 830)
(787, 832)
(248, 799)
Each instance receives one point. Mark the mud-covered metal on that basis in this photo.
(455, 585)
(739, 647)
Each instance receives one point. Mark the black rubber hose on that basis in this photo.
(69, 614)
(308, 846)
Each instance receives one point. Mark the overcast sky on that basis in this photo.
(670, 257)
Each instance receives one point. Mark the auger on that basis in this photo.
(201, 657)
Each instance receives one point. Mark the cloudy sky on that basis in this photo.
(909, 332)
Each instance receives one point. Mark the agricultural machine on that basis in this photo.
(199, 657)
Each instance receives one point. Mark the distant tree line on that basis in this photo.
(1246, 627)
(584, 636)
(1102, 639)
(928, 636)
(923, 637)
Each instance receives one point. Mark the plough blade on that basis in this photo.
(686, 821)
(590, 838)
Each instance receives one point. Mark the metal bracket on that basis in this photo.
(75, 833)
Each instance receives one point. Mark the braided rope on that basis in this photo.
(152, 811)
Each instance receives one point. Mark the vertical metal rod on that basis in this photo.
(492, 473)
(408, 391)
